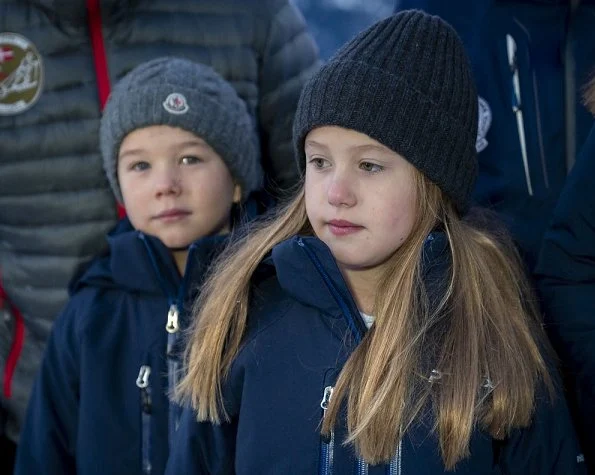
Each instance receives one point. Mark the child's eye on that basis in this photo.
(190, 160)
(318, 162)
(139, 166)
(371, 167)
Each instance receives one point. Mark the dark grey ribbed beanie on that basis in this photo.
(407, 83)
(191, 96)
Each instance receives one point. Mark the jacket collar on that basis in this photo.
(141, 263)
(307, 271)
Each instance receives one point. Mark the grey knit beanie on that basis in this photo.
(188, 95)
(407, 83)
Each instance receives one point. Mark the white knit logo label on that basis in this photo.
(484, 123)
(21, 74)
(176, 103)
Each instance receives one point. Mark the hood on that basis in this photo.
(321, 285)
(136, 262)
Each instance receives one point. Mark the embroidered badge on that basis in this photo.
(483, 125)
(21, 74)
(176, 103)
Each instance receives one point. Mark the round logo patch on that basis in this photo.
(175, 103)
(21, 74)
(483, 124)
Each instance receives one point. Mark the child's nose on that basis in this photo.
(168, 182)
(340, 191)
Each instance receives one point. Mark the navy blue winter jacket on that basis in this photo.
(539, 31)
(566, 280)
(99, 404)
(302, 328)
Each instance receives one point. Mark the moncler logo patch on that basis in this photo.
(484, 123)
(21, 74)
(176, 103)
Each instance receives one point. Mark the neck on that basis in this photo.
(363, 284)
(180, 258)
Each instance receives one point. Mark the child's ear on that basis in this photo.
(237, 194)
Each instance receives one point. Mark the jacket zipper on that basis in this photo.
(142, 382)
(327, 280)
(394, 467)
(173, 364)
(362, 467)
(327, 444)
(172, 327)
(511, 50)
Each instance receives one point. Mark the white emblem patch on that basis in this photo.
(484, 123)
(176, 103)
(21, 74)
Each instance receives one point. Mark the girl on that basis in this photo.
(370, 327)
(180, 152)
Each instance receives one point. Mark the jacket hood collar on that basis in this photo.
(307, 270)
(139, 262)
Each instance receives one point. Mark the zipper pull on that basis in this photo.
(143, 377)
(142, 382)
(326, 398)
(172, 319)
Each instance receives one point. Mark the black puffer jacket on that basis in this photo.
(566, 280)
(55, 204)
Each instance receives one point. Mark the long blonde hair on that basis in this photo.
(483, 334)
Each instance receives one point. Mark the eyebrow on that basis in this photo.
(359, 148)
(130, 153)
(313, 143)
(181, 146)
(372, 147)
(193, 143)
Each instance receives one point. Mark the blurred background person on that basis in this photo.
(334, 22)
(566, 280)
(530, 59)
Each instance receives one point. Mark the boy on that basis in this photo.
(181, 154)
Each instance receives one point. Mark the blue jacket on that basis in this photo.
(302, 328)
(566, 279)
(525, 197)
(99, 404)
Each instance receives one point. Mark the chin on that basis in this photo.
(355, 261)
(349, 262)
(177, 243)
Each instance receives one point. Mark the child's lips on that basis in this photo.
(172, 214)
(340, 227)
